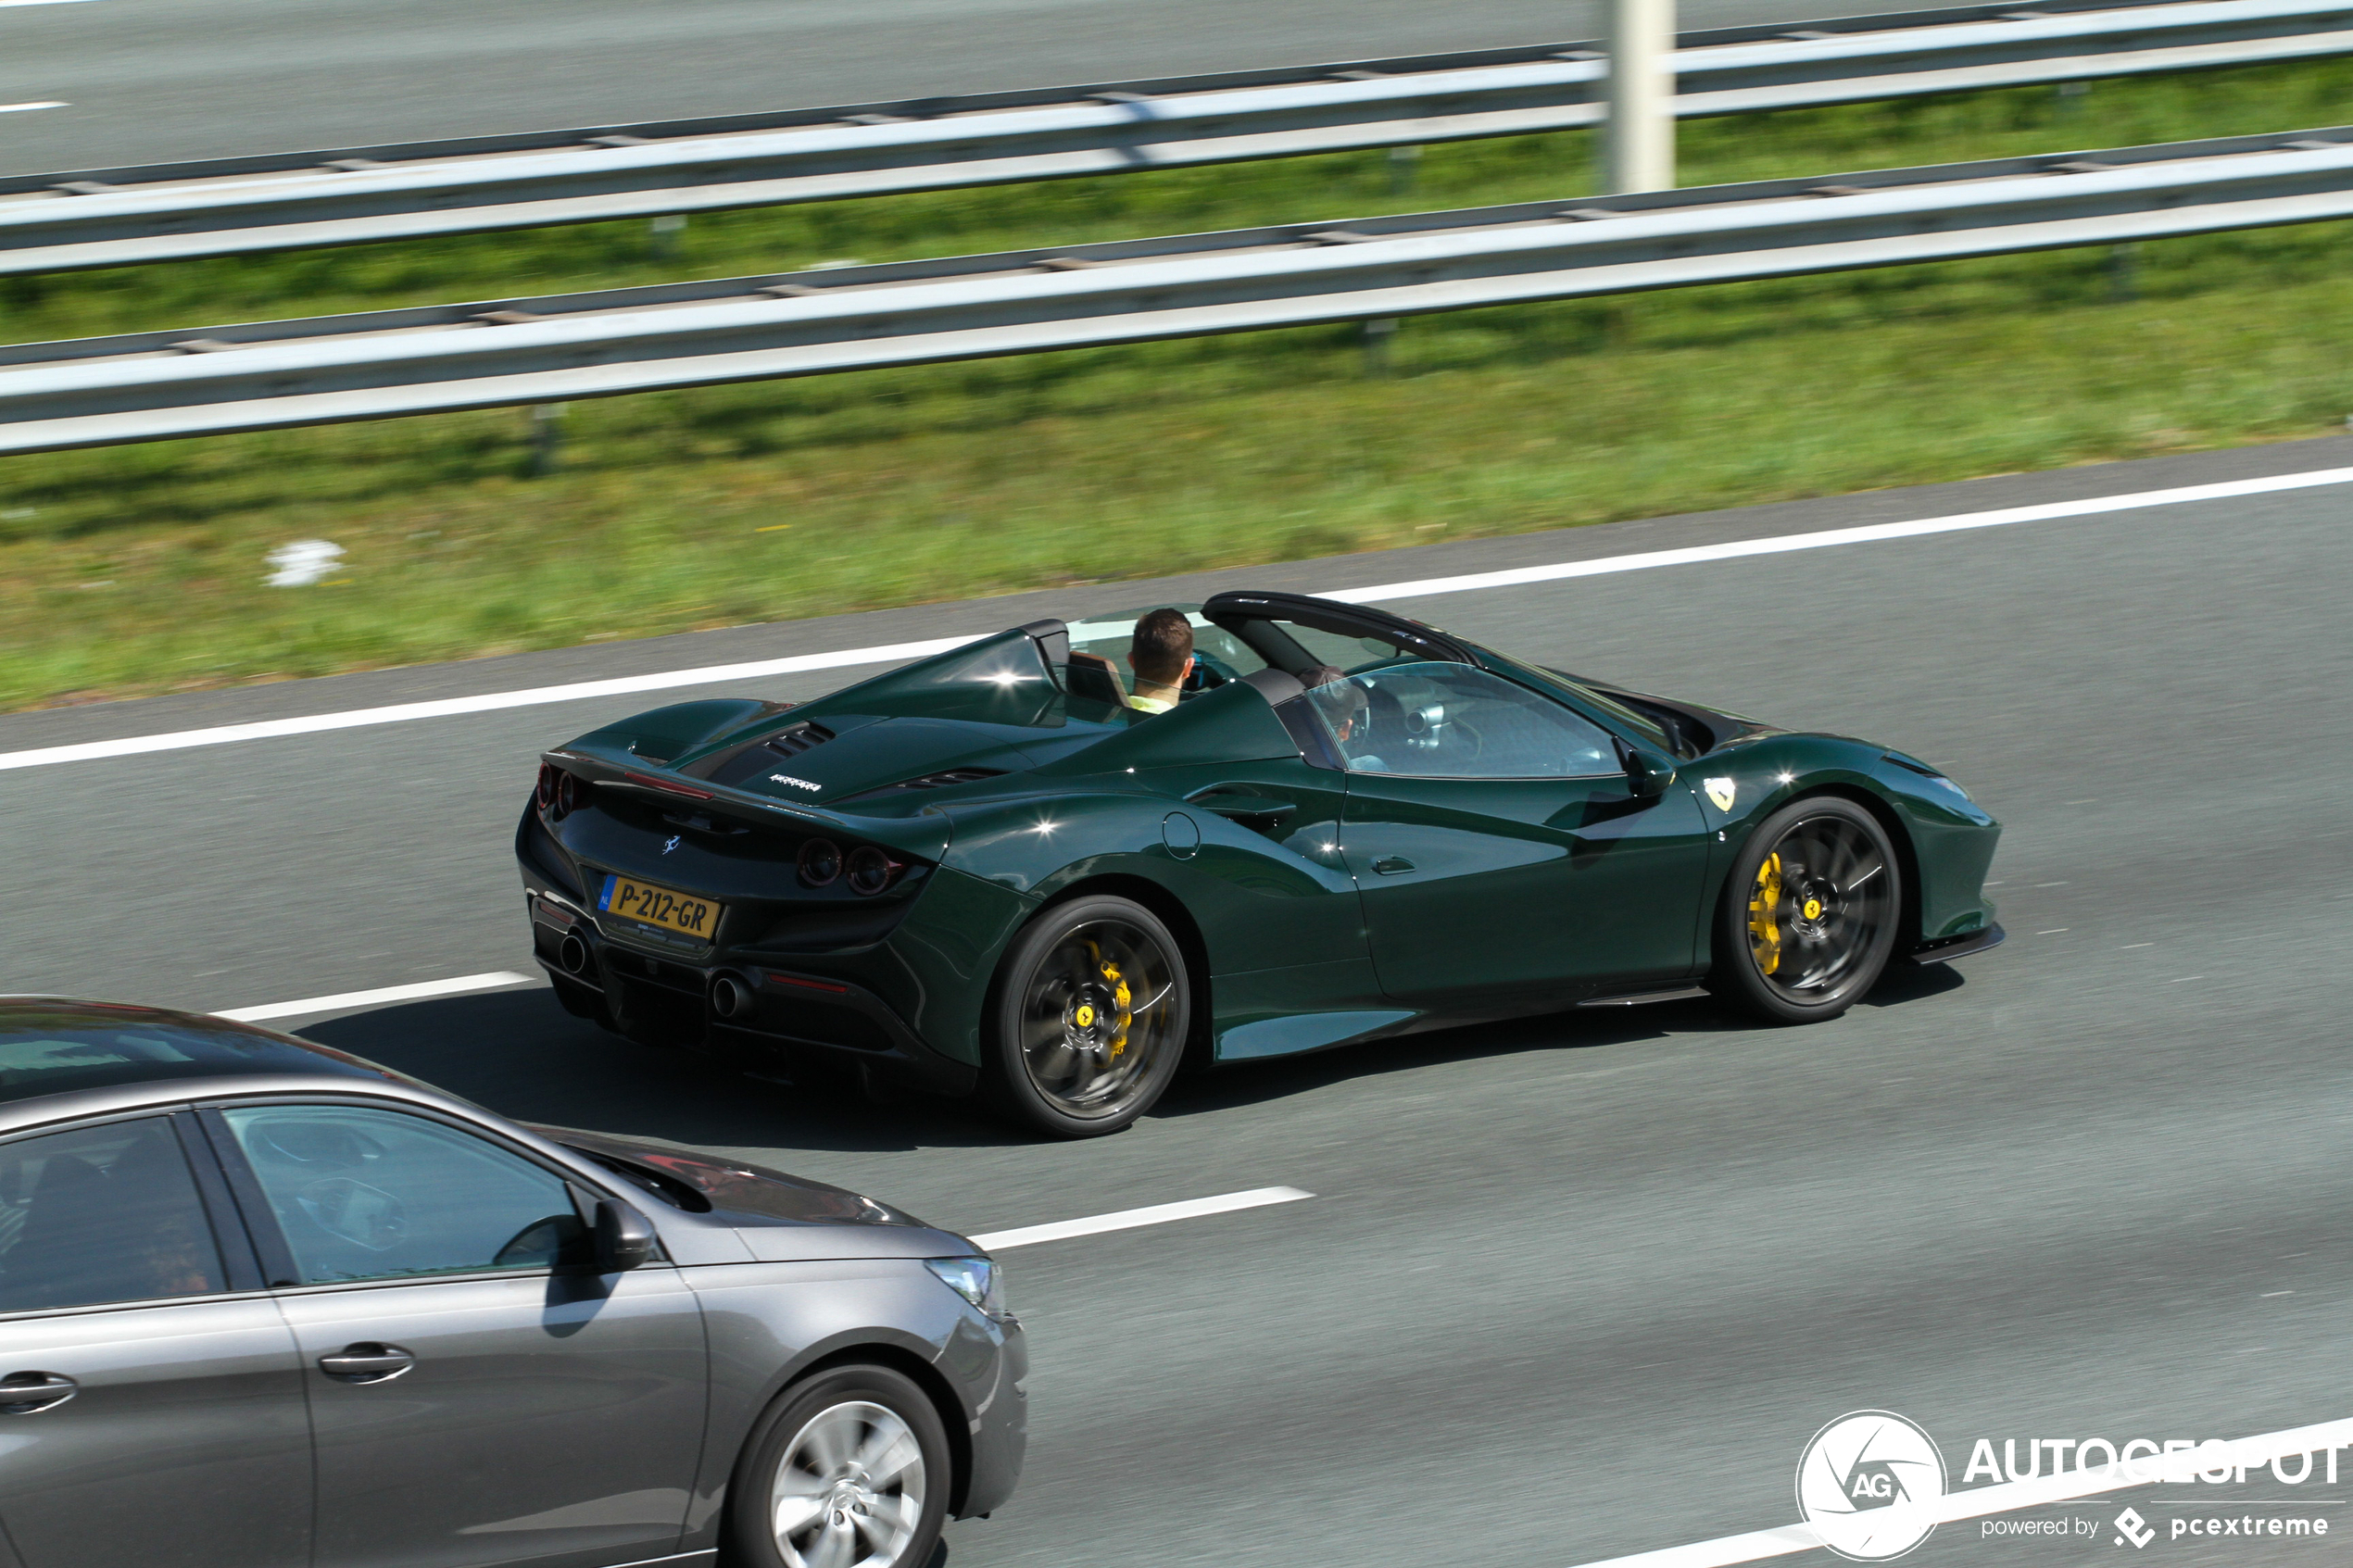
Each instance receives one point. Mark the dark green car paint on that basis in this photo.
(1318, 907)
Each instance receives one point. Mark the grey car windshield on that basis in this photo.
(49, 1053)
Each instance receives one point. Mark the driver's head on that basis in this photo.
(1162, 651)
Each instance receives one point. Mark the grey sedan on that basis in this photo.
(265, 1305)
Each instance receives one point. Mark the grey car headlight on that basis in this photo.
(975, 1279)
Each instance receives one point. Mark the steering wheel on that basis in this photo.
(1208, 673)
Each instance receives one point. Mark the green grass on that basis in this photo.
(138, 569)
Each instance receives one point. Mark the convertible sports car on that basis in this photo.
(985, 872)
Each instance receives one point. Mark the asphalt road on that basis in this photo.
(154, 81)
(1572, 1287)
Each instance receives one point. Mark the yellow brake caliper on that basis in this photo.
(1764, 904)
(1121, 998)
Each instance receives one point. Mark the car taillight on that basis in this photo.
(871, 871)
(544, 792)
(571, 794)
(819, 862)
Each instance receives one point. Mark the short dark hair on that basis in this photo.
(1163, 641)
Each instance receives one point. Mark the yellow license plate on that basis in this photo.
(659, 906)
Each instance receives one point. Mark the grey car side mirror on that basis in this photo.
(1647, 774)
(624, 1238)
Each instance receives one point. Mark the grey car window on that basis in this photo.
(101, 1214)
(363, 1194)
(1431, 720)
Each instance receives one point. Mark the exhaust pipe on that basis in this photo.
(731, 997)
(571, 953)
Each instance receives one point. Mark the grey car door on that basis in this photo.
(477, 1396)
(149, 1413)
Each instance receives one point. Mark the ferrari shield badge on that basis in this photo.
(1721, 791)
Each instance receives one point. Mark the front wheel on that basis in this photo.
(1092, 1008)
(849, 1470)
(1809, 913)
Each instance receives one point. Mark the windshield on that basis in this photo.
(54, 1050)
(1640, 724)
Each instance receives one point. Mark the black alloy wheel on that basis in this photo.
(1093, 1004)
(1809, 913)
(848, 1469)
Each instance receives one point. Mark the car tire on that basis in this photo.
(855, 1451)
(1092, 1008)
(1809, 913)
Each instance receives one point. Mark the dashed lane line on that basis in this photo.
(408, 712)
(419, 991)
(1133, 1219)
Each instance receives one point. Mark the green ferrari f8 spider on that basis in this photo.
(989, 872)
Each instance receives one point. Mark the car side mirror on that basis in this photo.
(624, 1237)
(1647, 774)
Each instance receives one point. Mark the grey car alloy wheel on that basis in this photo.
(849, 1490)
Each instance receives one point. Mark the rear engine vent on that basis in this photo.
(748, 760)
(932, 781)
(799, 739)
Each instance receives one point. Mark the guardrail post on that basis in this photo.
(1640, 138)
(2124, 271)
(1405, 163)
(1378, 332)
(547, 437)
(665, 230)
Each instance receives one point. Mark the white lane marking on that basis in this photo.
(226, 734)
(1130, 1219)
(488, 702)
(21, 108)
(1870, 534)
(2004, 1496)
(377, 997)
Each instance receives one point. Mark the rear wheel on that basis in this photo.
(1092, 1007)
(849, 1470)
(1809, 913)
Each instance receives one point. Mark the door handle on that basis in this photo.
(366, 1362)
(1389, 865)
(1260, 813)
(22, 1393)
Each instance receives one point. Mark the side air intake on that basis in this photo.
(929, 780)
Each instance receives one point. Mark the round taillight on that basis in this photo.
(544, 792)
(570, 794)
(871, 869)
(819, 862)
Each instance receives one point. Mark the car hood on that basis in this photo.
(781, 1218)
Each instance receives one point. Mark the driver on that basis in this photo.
(1161, 654)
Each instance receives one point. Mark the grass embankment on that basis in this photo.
(139, 570)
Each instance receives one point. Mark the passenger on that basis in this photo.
(1346, 714)
(1162, 656)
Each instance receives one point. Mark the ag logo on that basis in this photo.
(1721, 791)
(1869, 1483)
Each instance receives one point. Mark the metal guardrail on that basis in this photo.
(152, 386)
(105, 218)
